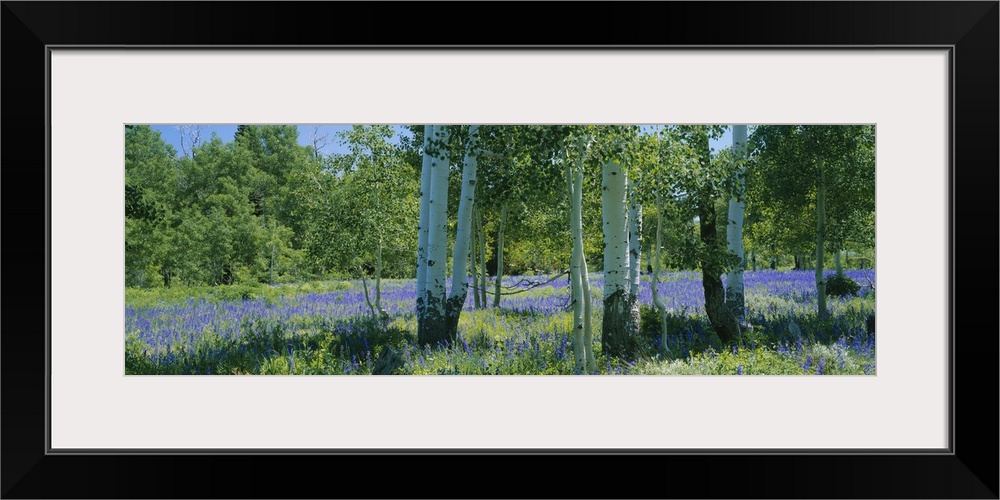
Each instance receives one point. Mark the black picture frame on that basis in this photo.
(969, 470)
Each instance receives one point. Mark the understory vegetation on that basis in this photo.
(323, 328)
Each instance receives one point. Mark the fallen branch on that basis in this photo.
(532, 284)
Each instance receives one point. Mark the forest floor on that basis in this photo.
(326, 328)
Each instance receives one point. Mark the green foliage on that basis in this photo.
(759, 361)
(782, 176)
(650, 324)
(260, 208)
(375, 204)
(839, 285)
(246, 211)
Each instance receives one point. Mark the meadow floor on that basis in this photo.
(325, 328)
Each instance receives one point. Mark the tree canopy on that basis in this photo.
(259, 207)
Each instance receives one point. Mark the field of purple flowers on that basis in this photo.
(326, 329)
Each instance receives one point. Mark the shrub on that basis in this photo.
(839, 285)
(242, 291)
(649, 322)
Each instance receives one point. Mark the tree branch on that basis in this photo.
(532, 284)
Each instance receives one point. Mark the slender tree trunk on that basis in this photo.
(499, 278)
(271, 279)
(378, 277)
(579, 310)
(588, 328)
(820, 240)
(482, 257)
(576, 274)
(459, 273)
(617, 336)
(422, 227)
(734, 229)
(368, 300)
(634, 245)
(378, 254)
(434, 328)
(836, 260)
(635, 257)
(473, 252)
(654, 279)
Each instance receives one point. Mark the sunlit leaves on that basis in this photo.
(783, 176)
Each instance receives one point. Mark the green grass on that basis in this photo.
(179, 295)
(493, 341)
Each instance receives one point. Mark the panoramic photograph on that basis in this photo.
(582, 249)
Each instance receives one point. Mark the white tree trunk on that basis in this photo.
(654, 280)
(272, 252)
(615, 221)
(473, 258)
(499, 278)
(437, 243)
(836, 261)
(425, 196)
(635, 257)
(820, 240)
(574, 181)
(634, 244)
(616, 333)
(378, 253)
(735, 301)
(378, 277)
(579, 309)
(576, 274)
(482, 257)
(459, 273)
(588, 329)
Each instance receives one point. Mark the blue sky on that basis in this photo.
(723, 142)
(172, 136)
